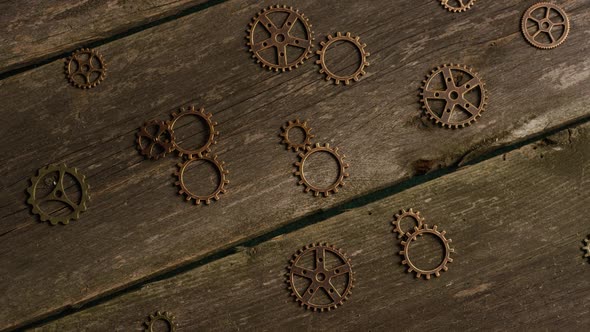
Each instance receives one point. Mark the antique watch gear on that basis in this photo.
(166, 317)
(56, 192)
(587, 247)
(342, 169)
(155, 144)
(306, 131)
(360, 71)
(456, 6)
(460, 90)
(85, 68)
(329, 277)
(280, 38)
(190, 195)
(211, 135)
(411, 236)
(406, 214)
(540, 20)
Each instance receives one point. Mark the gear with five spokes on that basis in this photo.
(457, 6)
(155, 144)
(85, 68)
(210, 124)
(406, 214)
(199, 198)
(556, 27)
(165, 317)
(360, 70)
(411, 237)
(306, 132)
(342, 169)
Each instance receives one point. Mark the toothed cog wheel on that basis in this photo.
(547, 20)
(306, 131)
(406, 214)
(457, 6)
(209, 123)
(342, 170)
(587, 247)
(155, 144)
(85, 69)
(190, 194)
(330, 75)
(165, 317)
(411, 237)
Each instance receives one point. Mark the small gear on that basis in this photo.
(191, 111)
(166, 317)
(280, 38)
(406, 214)
(221, 172)
(462, 91)
(335, 281)
(57, 193)
(306, 130)
(555, 27)
(456, 6)
(587, 247)
(360, 71)
(412, 237)
(159, 141)
(342, 166)
(85, 68)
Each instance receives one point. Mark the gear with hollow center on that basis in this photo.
(85, 68)
(459, 81)
(163, 138)
(587, 247)
(342, 169)
(457, 6)
(57, 193)
(221, 172)
(360, 71)
(411, 236)
(166, 317)
(322, 277)
(306, 131)
(280, 38)
(210, 124)
(406, 214)
(545, 24)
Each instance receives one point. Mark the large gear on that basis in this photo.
(57, 193)
(191, 111)
(85, 68)
(587, 247)
(166, 317)
(459, 82)
(545, 24)
(342, 167)
(306, 131)
(221, 172)
(321, 276)
(280, 38)
(412, 237)
(360, 71)
(406, 214)
(162, 137)
(457, 6)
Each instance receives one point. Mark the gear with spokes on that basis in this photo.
(281, 38)
(457, 6)
(334, 282)
(210, 124)
(462, 92)
(342, 169)
(306, 131)
(356, 75)
(411, 236)
(85, 68)
(199, 198)
(556, 27)
(57, 193)
(406, 214)
(155, 144)
(587, 247)
(166, 317)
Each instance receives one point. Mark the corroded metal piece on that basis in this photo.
(360, 71)
(166, 317)
(406, 214)
(342, 169)
(456, 6)
(211, 135)
(556, 27)
(160, 141)
(85, 68)
(306, 130)
(411, 236)
(199, 198)
(322, 277)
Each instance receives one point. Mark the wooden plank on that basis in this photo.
(135, 226)
(517, 222)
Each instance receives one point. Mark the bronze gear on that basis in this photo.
(545, 25)
(406, 248)
(85, 63)
(222, 173)
(300, 172)
(191, 111)
(456, 6)
(320, 277)
(406, 214)
(296, 124)
(163, 137)
(587, 247)
(162, 316)
(360, 71)
(280, 38)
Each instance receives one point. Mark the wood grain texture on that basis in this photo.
(517, 222)
(136, 227)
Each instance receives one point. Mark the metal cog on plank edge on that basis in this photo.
(320, 277)
(221, 172)
(306, 130)
(191, 111)
(545, 25)
(160, 316)
(360, 71)
(83, 63)
(342, 166)
(163, 138)
(280, 38)
(587, 247)
(412, 237)
(406, 214)
(460, 5)
(58, 193)
(454, 96)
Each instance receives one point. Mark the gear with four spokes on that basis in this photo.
(462, 92)
(85, 68)
(155, 144)
(335, 281)
(587, 247)
(306, 131)
(281, 38)
(338, 37)
(199, 198)
(210, 124)
(457, 6)
(342, 169)
(165, 317)
(406, 214)
(545, 24)
(412, 236)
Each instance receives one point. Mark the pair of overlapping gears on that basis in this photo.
(307, 150)
(281, 37)
(156, 138)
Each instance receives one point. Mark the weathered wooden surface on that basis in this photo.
(517, 222)
(135, 226)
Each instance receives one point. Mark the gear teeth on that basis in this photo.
(223, 181)
(211, 139)
(346, 79)
(405, 214)
(296, 146)
(92, 54)
(326, 191)
(586, 248)
(411, 236)
(164, 316)
(529, 15)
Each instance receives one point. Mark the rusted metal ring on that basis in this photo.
(360, 71)
(412, 237)
(166, 317)
(342, 169)
(211, 135)
(206, 198)
(406, 214)
(296, 124)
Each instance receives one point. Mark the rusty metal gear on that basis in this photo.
(85, 68)
(306, 130)
(342, 167)
(412, 237)
(57, 193)
(406, 214)
(587, 247)
(546, 24)
(360, 71)
(456, 6)
(212, 134)
(162, 137)
(462, 91)
(222, 176)
(280, 38)
(166, 317)
(323, 277)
